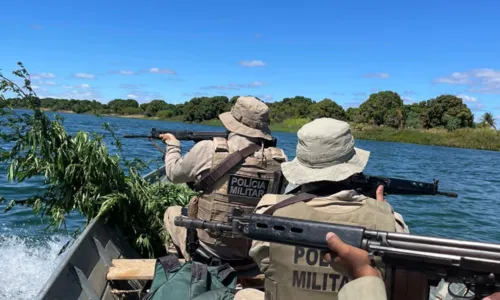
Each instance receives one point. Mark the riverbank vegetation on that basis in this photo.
(445, 120)
(80, 174)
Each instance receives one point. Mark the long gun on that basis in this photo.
(367, 185)
(474, 264)
(196, 136)
(396, 186)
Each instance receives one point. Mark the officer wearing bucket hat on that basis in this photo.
(243, 185)
(325, 156)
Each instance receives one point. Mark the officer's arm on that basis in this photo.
(401, 225)
(367, 288)
(186, 169)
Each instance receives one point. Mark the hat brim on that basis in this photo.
(233, 125)
(297, 173)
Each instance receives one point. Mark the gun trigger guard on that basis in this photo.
(371, 257)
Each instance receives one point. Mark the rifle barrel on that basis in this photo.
(448, 194)
(134, 136)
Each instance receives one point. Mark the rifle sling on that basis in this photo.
(208, 180)
(303, 197)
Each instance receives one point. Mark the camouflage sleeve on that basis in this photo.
(367, 287)
(401, 225)
(186, 169)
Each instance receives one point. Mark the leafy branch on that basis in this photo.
(80, 174)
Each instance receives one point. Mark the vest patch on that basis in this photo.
(247, 186)
(318, 281)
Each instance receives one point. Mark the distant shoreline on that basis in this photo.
(466, 138)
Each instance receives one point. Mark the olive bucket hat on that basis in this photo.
(325, 152)
(249, 117)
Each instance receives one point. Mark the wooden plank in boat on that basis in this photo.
(143, 269)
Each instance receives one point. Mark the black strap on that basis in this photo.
(303, 197)
(207, 181)
(169, 262)
(225, 271)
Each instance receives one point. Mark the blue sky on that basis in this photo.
(272, 49)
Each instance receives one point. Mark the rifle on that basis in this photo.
(474, 264)
(367, 185)
(189, 135)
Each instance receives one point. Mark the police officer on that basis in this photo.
(243, 186)
(367, 283)
(325, 156)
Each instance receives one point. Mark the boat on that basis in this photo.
(101, 265)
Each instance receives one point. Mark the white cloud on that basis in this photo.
(132, 96)
(252, 63)
(466, 98)
(124, 72)
(233, 86)
(84, 75)
(48, 83)
(377, 75)
(162, 71)
(43, 75)
(67, 87)
(35, 87)
(485, 81)
(83, 86)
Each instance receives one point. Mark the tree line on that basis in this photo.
(384, 108)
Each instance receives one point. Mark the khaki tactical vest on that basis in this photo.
(242, 187)
(302, 273)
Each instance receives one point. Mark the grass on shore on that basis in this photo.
(472, 138)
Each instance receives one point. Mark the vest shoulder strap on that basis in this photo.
(277, 154)
(207, 181)
(220, 144)
(303, 197)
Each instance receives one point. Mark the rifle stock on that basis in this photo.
(474, 264)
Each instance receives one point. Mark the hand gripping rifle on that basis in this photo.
(474, 264)
(189, 135)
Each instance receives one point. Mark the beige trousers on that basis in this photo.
(177, 234)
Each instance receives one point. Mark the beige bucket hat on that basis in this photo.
(248, 117)
(325, 152)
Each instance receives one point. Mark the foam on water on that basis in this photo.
(26, 263)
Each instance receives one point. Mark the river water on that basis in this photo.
(28, 252)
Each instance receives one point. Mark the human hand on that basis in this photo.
(380, 194)
(167, 137)
(495, 296)
(353, 259)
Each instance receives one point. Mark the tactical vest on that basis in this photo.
(242, 187)
(302, 273)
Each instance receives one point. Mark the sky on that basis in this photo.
(172, 50)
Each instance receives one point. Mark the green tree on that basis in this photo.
(118, 104)
(447, 105)
(154, 107)
(488, 120)
(378, 106)
(353, 115)
(394, 118)
(327, 108)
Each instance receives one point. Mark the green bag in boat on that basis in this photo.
(191, 281)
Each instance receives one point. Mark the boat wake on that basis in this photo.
(27, 262)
